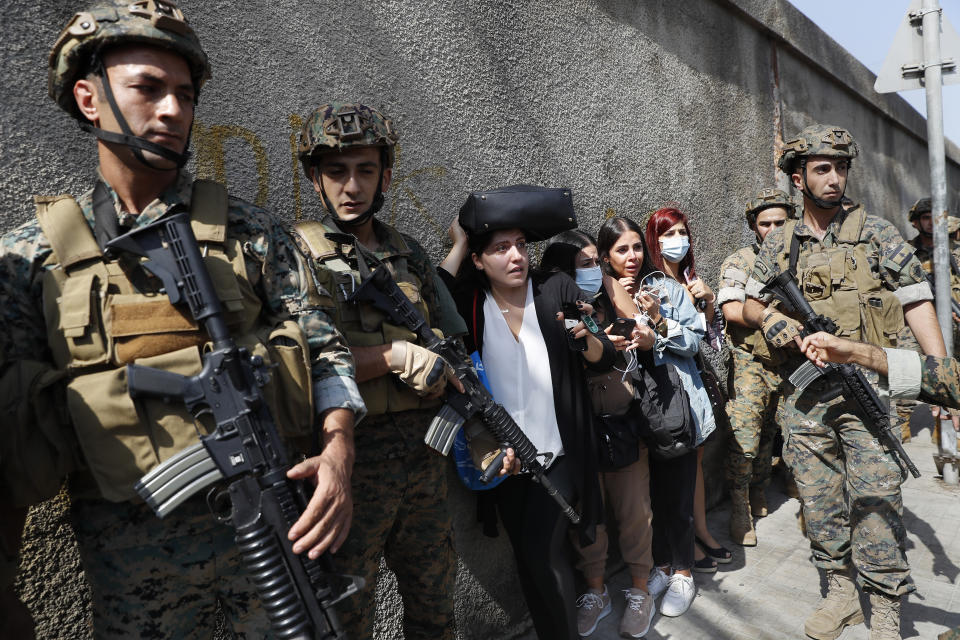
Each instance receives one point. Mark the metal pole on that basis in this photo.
(938, 181)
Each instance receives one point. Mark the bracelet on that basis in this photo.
(661, 327)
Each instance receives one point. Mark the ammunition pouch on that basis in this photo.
(839, 284)
(102, 316)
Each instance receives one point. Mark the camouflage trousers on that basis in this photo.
(400, 512)
(153, 578)
(850, 488)
(753, 411)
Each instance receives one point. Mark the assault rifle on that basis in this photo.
(379, 289)
(854, 385)
(244, 450)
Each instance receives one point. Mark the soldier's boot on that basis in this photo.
(758, 501)
(741, 524)
(839, 609)
(884, 616)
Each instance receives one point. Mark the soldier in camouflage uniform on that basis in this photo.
(130, 73)
(921, 219)
(399, 484)
(754, 381)
(857, 270)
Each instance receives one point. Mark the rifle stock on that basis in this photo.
(855, 386)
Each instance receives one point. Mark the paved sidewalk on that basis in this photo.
(768, 590)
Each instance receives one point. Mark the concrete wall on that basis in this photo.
(630, 104)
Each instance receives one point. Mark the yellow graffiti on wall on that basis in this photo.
(211, 164)
(400, 186)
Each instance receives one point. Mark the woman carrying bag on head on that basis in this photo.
(624, 469)
(516, 323)
(624, 256)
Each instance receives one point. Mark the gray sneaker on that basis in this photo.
(637, 616)
(657, 583)
(591, 609)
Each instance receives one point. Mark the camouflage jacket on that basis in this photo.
(734, 273)
(388, 435)
(925, 256)
(273, 266)
(891, 258)
(933, 379)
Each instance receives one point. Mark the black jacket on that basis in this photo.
(570, 397)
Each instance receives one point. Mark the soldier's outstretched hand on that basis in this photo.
(823, 347)
(325, 522)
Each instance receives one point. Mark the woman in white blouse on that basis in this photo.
(535, 369)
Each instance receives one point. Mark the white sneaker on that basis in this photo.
(657, 583)
(679, 595)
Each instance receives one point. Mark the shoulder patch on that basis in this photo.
(898, 256)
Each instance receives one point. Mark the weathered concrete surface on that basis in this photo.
(631, 104)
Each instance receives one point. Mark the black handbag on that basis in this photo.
(614, 422)
(617, 443)
(718, 401)
(662, 409)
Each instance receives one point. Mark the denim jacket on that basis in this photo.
(685, 330)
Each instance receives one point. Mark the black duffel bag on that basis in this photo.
(541, 212)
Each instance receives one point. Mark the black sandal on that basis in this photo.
(721, 555)
(706, 564)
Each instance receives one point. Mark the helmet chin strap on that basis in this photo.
(823, 204)
(137, 144)
(347, 225)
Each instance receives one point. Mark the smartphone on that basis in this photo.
(690, 276)
(623, 327)
(571, 318)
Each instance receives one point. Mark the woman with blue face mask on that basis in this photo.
(626, 489)
(668, 236)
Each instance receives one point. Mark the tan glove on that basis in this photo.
(424, 371)
(778, 329)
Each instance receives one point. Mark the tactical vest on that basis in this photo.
(839, 283)
(752, 340)
(98, 321)
(362, 325)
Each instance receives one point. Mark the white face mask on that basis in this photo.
(675, 249)
(590, 279)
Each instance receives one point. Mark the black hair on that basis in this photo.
(608, 235)
(476, 244)
(561, 251)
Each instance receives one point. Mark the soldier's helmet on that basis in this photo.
(344, 125)
(769, 198)
(157, 23)
(817, 140)
(920, 207)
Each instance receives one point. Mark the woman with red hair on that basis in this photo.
(668, 239)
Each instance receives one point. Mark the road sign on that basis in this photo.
(905, 64)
